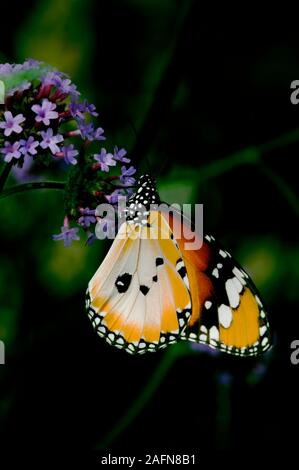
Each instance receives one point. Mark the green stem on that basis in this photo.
(248, 156)
(29, 186)
(4, 175)
(145, 395)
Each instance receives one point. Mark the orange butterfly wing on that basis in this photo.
(227, 312)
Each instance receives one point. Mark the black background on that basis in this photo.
(225, 87)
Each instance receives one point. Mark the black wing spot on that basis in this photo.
(155, 278)
(159, 261)
(182, 272)
(144, 289)
(123, 282)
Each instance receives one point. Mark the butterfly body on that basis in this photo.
(151, 291)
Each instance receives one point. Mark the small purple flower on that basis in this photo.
(86, 129)
(113, 197)
(12, 124)
(68, 88)
(105, 160)
(90, 108)
(50, 141)
(77, 109)
(52, 78)
(69, 154)
(120, 155)
(29, 146)
(87, 217)
(45, 112)
(126, 175)
(11, 150)
(67, 235)
(98, 134)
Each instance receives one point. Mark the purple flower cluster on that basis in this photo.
(43, 120)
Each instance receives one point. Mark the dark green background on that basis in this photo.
(209, 96)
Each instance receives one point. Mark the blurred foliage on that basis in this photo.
(60, 34)
(223, 100)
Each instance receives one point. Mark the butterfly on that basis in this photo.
(151, 291)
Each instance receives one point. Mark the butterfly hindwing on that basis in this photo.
(227, 312)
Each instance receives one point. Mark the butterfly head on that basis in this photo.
(146, 195)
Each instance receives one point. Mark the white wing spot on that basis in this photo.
(238, 284)
(215, 273)
(203, 337)
(214, 333)
(208, 304)
(263, 330)
(180, 265)
(232, 294)
(225, 315)
(265, 341)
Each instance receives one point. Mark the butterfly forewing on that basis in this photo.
(139, 299)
